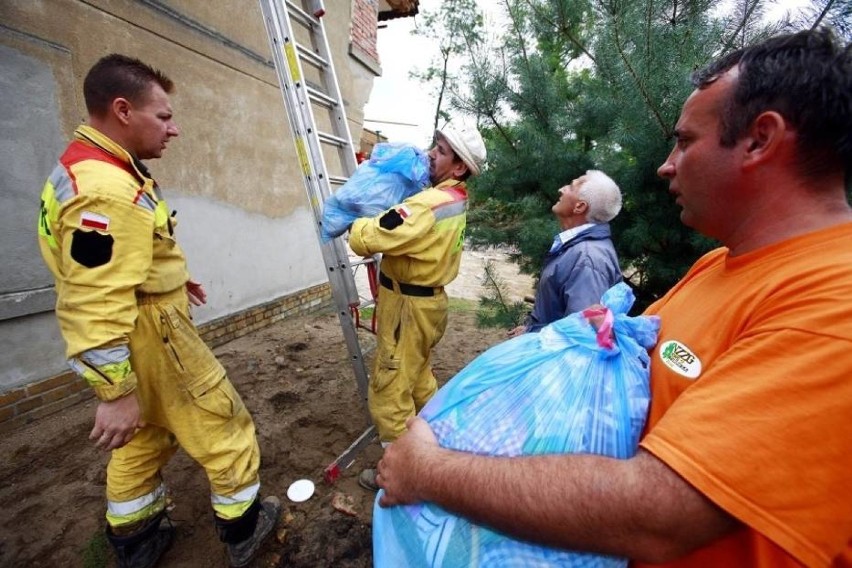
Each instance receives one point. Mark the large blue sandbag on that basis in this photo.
(562, 390)
(394, 172)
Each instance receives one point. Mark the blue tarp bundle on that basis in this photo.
(556, 391)
(394, 172)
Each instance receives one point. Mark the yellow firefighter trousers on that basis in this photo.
(408, 327)
(186, 399)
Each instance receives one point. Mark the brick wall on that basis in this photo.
(36, 400)
(364, 32)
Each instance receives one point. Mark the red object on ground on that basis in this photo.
(331, 473)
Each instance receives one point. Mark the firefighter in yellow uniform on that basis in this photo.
(123, 294)
(421, 244)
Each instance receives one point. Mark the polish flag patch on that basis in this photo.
(403, 211)
(94, 221)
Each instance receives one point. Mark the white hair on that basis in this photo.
(602, 195)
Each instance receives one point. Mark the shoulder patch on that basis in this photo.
(90, 248)
(393, 218)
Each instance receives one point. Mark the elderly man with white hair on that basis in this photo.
(421, 245)
(582, 263)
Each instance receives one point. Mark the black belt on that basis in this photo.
(407, 289)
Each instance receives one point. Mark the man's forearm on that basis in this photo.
(637, 508)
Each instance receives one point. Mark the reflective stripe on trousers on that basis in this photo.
(129, 512)
(185, 399)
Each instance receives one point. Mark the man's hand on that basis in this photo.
(116, 422)
(196, 293)
(400, 467)
(516, 331)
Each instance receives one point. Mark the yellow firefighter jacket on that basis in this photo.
(106, 235)
(421, 238)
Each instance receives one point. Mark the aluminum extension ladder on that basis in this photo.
(306, 75)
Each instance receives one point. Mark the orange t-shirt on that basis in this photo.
(751, 398)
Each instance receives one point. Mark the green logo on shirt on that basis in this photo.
(680, 359)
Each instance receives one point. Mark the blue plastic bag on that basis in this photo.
(394, 172)
(556, 391)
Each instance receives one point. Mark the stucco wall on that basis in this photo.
(244, 218)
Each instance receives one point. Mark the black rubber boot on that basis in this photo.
(143, 548)
(245, 535)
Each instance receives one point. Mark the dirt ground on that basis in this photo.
(296, 380)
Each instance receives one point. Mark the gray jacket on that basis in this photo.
(575, 276)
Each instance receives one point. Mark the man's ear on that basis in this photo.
(459, 169)
(581, 208)
(766, 136)
(121, 108)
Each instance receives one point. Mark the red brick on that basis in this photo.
(11, 397)
(6, 413)
(50, 384)
(79, 385)
(28, 404)
(48, 409)
(58, 394)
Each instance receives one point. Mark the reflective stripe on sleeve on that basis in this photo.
(63, 185)
(451, 209)
(106, 355)
(146, 201)
(58, 189)
(102, 375)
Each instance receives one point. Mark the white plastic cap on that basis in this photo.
(468, 145)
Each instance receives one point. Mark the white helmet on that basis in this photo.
(468, 146)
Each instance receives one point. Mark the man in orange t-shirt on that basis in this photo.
(748, 446)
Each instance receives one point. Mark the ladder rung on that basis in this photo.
(332, 139)
(298, 14)
(363, 260)
(321, 98)
(310, 56)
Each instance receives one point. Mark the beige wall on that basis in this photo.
(232, 175)
(227, 101)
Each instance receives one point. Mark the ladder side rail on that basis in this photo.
(300, 114)
(340, 280)
(332, 89)
(334, 252)
(305, 136)
(333, 100)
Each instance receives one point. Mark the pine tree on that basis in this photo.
(579, 84)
